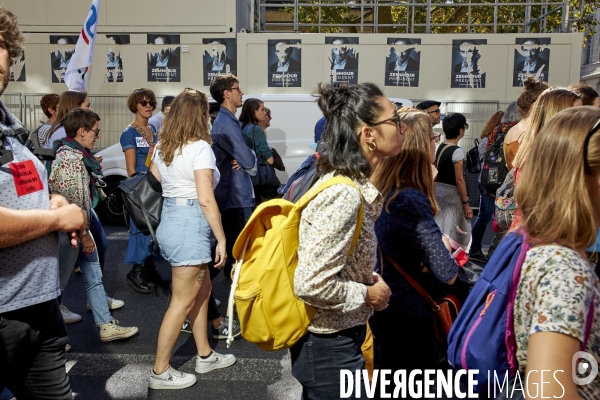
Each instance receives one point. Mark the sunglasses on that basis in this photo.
(144, 103)
(395, 119)
(587, 142)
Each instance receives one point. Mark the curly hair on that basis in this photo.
(185, 123)
(532, 89)
(11, 33)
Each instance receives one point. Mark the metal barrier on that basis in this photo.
(113, 111)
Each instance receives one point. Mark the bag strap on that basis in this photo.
(336, 180)
(437, 163)
(413, 283)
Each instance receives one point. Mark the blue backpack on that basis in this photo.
(483, 336)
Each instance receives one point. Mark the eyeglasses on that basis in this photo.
(144, 103)
(438, 111)
(395, 119)
(236, 88)
(436, 137)
(587, 142)
(466, 126)
(96, 131)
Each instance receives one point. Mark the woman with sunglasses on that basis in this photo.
(557, 305)
(450, 188)
(408, 234)
(362, 129)
(138, 141)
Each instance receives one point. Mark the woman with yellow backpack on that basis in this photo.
(362, 128)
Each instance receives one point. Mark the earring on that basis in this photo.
(374, 146)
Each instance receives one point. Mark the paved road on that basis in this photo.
(118, 370)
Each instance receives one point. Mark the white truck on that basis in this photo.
(291, 132)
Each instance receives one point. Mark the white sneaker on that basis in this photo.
(170, 379)
(218, 302)
(111, 331)
(113, 304)
(69, 316)
(215, 361)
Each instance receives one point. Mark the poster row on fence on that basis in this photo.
(471, 60)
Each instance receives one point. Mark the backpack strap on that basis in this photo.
(336, 180)
(437, 163)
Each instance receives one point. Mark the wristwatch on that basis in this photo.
(466, 201)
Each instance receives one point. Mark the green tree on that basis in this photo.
(463, 14)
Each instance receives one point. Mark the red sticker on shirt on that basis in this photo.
(27, 179)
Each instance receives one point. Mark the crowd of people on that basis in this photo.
(408, 203)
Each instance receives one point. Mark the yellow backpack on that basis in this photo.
(271, 316)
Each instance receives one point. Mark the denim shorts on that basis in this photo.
(183, 233)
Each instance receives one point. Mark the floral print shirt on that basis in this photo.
(326, 277)
(554, 295)
(70, 178)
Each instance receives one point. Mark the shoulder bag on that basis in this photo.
(142, 202)
(265, 173)
(445, 309)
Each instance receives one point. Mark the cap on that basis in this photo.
(424, 105)
(319, 129)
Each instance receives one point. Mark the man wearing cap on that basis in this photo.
(432, 108)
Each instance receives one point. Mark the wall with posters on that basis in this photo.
(442, 67)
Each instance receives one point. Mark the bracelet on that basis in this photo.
(465, 202)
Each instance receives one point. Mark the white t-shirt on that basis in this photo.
(178, 178)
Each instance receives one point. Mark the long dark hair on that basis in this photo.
(69, 100)
(248, 114)
(347, 108)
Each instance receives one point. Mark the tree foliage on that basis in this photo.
(460, 16)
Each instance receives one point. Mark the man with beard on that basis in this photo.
(341, 55)
(234, 193)
(33, 335)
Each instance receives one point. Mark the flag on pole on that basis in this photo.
(81, 61)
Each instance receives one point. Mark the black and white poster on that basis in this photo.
(466, 64)
(532, 57)
(285, 60)
(164, 63)
(60, 55)
(343, 60)
(219, 58)
(114, 62)
(17, 69)
(402, 62)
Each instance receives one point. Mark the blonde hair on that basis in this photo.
(411, 168)
(185, 123)
(552, 192)
(550, 102)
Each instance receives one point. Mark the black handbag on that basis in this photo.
(265, 173)
(142, 202)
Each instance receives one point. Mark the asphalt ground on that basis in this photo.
(119, 369)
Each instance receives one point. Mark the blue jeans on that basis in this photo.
(100, 238)
(317, 361)
(485, 215)
(92, 276)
